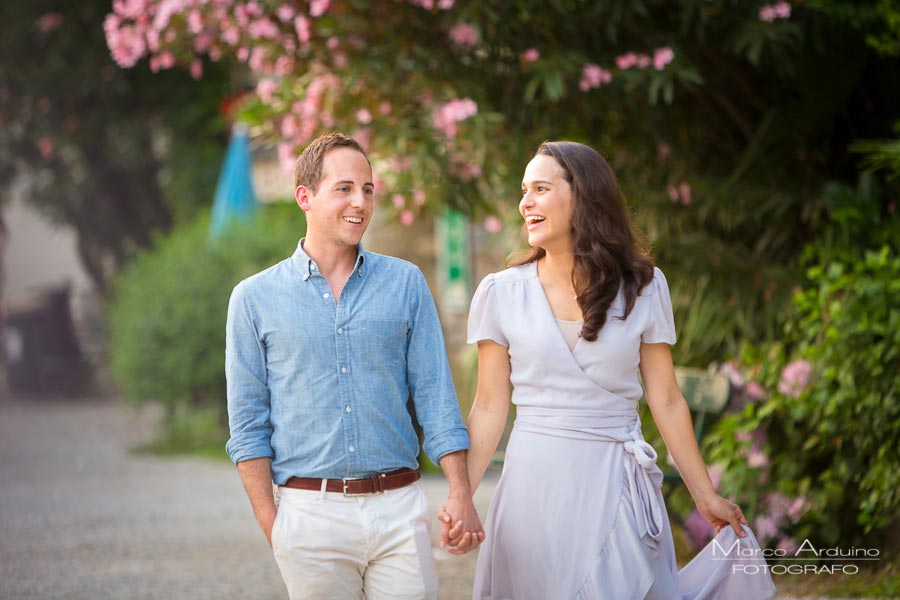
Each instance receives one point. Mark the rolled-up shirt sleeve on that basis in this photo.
(245, 372)
(430, 380)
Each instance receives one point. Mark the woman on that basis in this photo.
(578, 511)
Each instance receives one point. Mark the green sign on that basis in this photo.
(454, 261)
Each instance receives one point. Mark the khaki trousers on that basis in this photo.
(372, 547)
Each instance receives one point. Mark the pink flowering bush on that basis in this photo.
(810, 445)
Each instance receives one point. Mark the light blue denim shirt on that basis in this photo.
(321, 387)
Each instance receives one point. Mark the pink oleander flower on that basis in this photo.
(418, 197)
(286, 157)
(797, 508)
(364, 137)
(129, 9)
(398, 200)
(243, 53)
(364, 116)
(672, 192)
(196, 68)
(662, 57)
(258, 61)
(794, 378)
(531, 55)
(715, 475)
(783, 10)
(50, 21)
(767, 14)
(788, 545)
(285, 12)
(469, 170)
(492, 224)
(755, 391)
(447, 115)
(125, 45)
(289, 127)
(333, 42)
(195, 22)
(756, 458)
(684, 192)
(765, 528)
(698, 529)
(426, 4)
(643, 61)
(626, 61)
(593, 76)
(401, 163)
(301, 25)
(263, 28)
(729, 369)
(266, 89)
(743, 436)
(284, 65)
(406, 218)
(385, 108)
(464, 35)
(317, 8)
(446, 4)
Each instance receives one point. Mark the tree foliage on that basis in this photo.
(114, 154)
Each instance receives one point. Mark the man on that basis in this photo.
(322, 352)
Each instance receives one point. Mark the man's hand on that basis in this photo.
(266, 523)
(461, 528)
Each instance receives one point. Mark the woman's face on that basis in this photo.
(547, 205)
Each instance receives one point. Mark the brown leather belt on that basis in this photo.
(357, 486)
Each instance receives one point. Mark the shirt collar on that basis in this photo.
(308, 266)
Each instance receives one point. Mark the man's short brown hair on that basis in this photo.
(308, 168)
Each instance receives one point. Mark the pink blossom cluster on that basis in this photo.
(661, 57)
(149, 28)
(463, 35)
(448, 114)
(680, 193)
(773, 12)
(593, 76)
(780, 511)
(298, 126)
(794, 378)
(531, 55)
(430, 4)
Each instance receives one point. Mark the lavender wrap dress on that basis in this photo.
(578, 512)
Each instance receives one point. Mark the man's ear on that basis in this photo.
(302, 195)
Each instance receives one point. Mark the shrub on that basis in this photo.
(167, 315)
(814, 453)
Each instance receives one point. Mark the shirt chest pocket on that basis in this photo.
(380, 345)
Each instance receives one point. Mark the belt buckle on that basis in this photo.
(346, 480)
(377, 484)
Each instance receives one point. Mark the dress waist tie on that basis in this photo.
(642, 476)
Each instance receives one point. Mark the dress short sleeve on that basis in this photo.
(484, 314)
(660, 324)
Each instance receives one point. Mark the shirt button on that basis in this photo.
(351, 449)
(349, 410)
(340, 330)
(313, 267)
(326, 295)
(343, 369)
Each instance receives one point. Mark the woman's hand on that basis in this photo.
(721, 512)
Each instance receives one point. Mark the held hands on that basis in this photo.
(461, 528)
(720, 513)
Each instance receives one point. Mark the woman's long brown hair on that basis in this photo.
(610, 253)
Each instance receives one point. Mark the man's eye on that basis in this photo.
(344, 188)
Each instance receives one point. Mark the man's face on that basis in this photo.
(339, 212)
